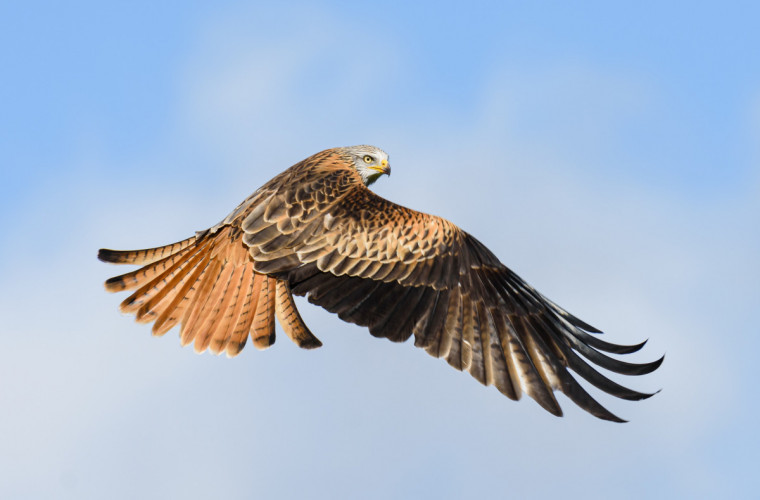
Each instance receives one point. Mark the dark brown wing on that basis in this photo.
(401, 272)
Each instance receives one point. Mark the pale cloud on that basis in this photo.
(754, 131)
(250, 89)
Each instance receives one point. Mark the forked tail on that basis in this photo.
(209, 287)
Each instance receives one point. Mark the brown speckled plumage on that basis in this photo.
(317, 230)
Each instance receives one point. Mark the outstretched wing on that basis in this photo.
(401, 272)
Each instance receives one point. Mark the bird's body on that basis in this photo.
(317, 230)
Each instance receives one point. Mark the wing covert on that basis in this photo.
(343, 228)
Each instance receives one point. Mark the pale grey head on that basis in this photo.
(370, 162)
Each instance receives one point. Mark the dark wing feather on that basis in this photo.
(401, 273)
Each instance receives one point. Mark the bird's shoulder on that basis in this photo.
(321, 172)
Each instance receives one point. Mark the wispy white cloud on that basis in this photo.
(303, 88)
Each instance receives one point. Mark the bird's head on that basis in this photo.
(369, 161)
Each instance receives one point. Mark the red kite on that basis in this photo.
(317, 230)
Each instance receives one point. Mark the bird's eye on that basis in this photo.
(368, 159)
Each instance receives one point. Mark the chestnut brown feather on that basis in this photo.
(316, 230)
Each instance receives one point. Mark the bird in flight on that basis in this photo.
(317, 230)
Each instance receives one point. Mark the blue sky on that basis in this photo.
(608, 153)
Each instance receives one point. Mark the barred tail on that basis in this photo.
(209, 287)
(145, 256)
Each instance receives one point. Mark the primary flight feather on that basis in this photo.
(317, 230)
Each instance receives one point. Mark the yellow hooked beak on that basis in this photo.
(383, 168)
